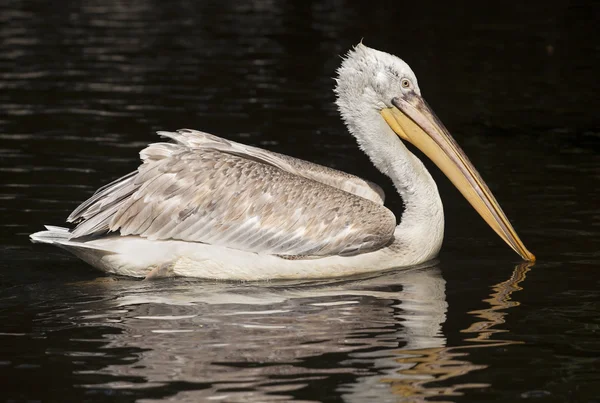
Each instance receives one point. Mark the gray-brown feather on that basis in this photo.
(206, 189)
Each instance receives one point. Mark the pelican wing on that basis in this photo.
(349, 183)
(202, 188)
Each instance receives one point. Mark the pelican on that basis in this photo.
(203, 206)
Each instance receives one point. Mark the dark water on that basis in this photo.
(83, 85)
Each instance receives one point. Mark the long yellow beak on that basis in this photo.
(414, 121)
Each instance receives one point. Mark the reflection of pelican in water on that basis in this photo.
(376, 337)
(203, 206)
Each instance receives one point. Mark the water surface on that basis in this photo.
(83, 86)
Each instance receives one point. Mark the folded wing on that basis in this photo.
(202, 188)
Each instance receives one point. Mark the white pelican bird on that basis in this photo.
(202, 206)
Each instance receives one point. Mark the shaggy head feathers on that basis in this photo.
(369, 78)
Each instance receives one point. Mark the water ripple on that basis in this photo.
(85, 85)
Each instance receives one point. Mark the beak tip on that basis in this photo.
(530, 257)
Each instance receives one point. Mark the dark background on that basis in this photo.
(84, 84)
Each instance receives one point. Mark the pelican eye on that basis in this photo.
(405, 83)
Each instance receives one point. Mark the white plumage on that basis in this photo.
(203, 206)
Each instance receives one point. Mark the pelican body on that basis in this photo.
(207, 207)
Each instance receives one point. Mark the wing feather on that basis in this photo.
(332, 177)
(206, 189)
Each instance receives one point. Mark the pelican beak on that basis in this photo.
(414, 121)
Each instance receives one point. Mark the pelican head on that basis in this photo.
(381, 89)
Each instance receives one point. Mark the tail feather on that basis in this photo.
(61, 237)
(51, 235)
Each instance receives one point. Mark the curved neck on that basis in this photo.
(421, 229)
